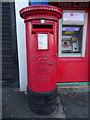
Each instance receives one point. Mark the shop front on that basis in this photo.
(72, 60)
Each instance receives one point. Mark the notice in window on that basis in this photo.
(73, 16)
(42, 41)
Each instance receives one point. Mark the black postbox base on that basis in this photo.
(42, 103)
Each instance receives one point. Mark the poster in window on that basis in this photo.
(73, 16)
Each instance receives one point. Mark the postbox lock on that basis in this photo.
(51, 63)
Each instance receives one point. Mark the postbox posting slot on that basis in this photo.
(42, 28)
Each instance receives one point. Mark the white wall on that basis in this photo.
(21, 43)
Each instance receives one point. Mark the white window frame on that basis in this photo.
(84, 23)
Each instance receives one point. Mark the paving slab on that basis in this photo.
(75, 101)
(14, 105)
(72, 102)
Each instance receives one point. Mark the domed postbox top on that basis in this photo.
(41, 12)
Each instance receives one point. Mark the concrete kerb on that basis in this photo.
(73, 88)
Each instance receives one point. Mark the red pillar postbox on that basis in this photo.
(41, 43)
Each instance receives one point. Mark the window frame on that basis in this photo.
(84, 23)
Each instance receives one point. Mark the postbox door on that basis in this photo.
(41, 61)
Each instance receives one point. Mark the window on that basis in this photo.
(71, 38)
(72, 34)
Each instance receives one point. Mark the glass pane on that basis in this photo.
(73, 16)
(72, 38)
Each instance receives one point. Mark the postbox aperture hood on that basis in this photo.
(41, 11)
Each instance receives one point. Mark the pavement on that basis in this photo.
(75, 101)
(72, 102)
